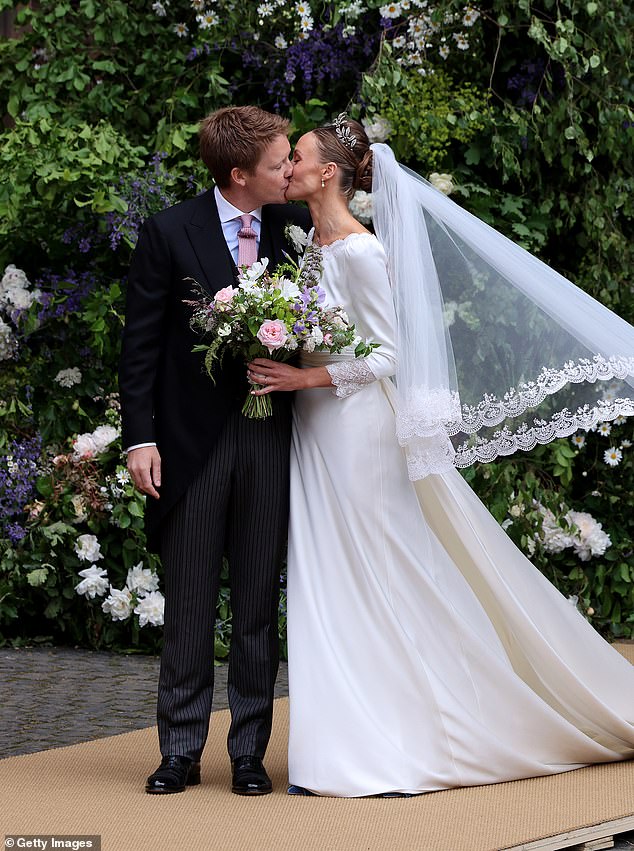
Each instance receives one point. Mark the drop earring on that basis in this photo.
(323, 183)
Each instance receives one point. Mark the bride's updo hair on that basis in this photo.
(345, 143)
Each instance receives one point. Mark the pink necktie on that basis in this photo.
(247, 242)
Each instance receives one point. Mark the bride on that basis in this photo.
(425, 651)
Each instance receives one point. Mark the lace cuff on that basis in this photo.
(349, 376)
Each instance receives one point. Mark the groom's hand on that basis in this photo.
(144, 465)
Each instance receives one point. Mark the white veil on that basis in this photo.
(497, 351)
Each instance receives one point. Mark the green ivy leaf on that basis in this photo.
(37, 577)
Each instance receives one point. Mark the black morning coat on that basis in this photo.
(166, 395)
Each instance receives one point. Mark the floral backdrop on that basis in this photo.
(522, 111)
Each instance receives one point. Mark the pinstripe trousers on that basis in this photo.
(238, 506)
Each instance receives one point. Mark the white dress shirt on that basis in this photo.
(231, 224)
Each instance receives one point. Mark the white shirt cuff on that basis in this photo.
(138, 446)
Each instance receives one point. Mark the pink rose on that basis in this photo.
(273, 334)
(225, 295)
(328, 338)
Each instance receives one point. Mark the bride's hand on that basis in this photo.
(274, 376)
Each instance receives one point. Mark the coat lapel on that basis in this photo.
(271, 241)
(207, 239)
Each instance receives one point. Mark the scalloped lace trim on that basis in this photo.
(349, 376)
(563, 424)
(428, 455)
(421, 414)
(491, 411)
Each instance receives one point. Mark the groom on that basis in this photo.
(217, 482)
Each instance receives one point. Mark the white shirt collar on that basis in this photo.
(227, 211)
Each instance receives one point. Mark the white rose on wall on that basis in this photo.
(150, 609)
(443, 182)
(118, 604)
(87, 548)
(94, 583)
(142, 580)
(377, 130)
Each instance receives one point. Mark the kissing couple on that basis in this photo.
(425, 650)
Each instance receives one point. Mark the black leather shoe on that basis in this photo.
(172, 775)
(249, 776)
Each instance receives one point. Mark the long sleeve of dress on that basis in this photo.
(372, 310)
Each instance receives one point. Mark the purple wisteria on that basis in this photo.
(328, 56)
(18, 475)
(528, 81)
(145, 194)
(63, 294)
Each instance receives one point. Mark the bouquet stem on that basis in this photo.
(257, 407)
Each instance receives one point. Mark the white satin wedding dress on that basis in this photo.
(425, 651)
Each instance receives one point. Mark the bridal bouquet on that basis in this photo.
(273, 314)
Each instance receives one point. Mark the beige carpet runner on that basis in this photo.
(97, 788)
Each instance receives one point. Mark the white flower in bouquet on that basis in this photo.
(251, 274)
(68, 377)
(443, 182)
(150, 609)
(288, 289)
(377, 130)
(103, 436)
(87, 548)
(361, 206)
(298, 237)
(339, 318)
(590, 539)
(8, 342)
(118, 604)
(316, 338)
(94, 584)
(142, 580)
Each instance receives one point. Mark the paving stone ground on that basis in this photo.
(56, 696)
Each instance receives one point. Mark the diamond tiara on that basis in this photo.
(344, 134)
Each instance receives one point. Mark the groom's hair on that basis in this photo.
(236, 137)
